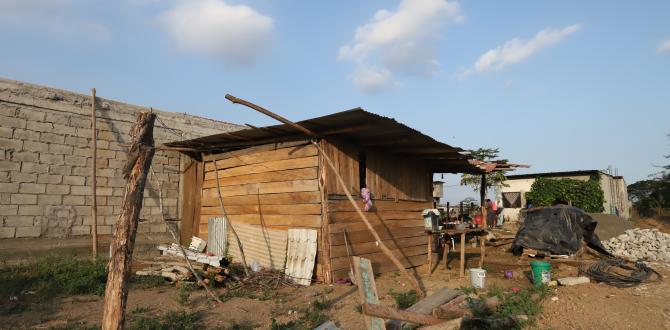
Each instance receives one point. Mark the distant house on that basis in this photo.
(614, 191)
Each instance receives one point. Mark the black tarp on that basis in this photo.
(558, 230)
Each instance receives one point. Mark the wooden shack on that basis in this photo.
(273, 178)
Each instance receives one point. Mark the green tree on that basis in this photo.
(650, 196)
(475, 180)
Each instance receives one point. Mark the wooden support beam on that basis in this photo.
(94, 176)
(135, 172)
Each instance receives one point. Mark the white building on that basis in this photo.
(614, 188)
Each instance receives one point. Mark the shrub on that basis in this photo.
(169, 321)
(586, 195)
(404, 299)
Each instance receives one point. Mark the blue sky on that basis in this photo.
(561, 85)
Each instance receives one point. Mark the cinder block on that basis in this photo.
(116, 182)
(23, 199)
(60, 149)
(60, 169)
(32, 157)
(22, 177)
(75, 160)
(58, 189)
(81, 190)
(32, 188)
(103, 153)
(76, 141)
(158, 228)
(28, 232)
(35, 146)
(107, 172)
(118, 192)
(64, 129)
(4, 176)
(104, 191)
(83, 132)
(9, 187)
(44, 199)
(81, 230)
(7, 232)
(115, 163)
(81, 171)
(104, 230)
(19, 221)
(57, 118)
(49, 178)
(31, 210)
(52, 159)
(9, 209)
(8, 165)
(13, 122)
(52, 138)
(28, 167)
(105, 210)
(102, 162)
(6, 132)
(110, 219)
(40, 127)
(73, 200)
(80, 151)
(23, 134)
(74, 180)
(30, 114)
(82, 122)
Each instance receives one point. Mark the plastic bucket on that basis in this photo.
(478, 277)
(541, 272)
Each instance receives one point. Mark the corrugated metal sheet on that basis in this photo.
(265, 245)
(356, 126)
(216, 235)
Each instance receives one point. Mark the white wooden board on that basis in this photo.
(301, 254)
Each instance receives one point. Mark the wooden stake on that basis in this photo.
(230, 225)
(382, 246)
(135, 172)
(482, 198)
(94, 208)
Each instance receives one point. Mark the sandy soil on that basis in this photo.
(588, 306)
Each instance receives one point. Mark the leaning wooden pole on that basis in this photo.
(230, 225)
(135, 171)
(94, 175)
(382, 246)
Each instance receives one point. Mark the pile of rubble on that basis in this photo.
(640, 244)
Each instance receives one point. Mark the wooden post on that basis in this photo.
(448, 213)
(430, 254)
(482, 197)
(94, 208)
(135, 172)
(462, 263)
(482, 249)
(325, 225)
(413, 281)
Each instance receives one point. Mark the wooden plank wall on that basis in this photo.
(391, 177)
(275, 186)
(399, 224)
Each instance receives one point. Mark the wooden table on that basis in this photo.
(446, 233)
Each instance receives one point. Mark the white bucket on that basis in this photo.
(478, 277)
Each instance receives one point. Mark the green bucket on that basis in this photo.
(541, 272)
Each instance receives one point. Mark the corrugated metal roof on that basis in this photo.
(554, 174)
(355, 126)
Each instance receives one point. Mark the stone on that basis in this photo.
(569, 281)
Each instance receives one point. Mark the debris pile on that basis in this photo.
(640, 244)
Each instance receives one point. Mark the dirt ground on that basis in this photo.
(587, 306)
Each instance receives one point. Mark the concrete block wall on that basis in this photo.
(46, 161)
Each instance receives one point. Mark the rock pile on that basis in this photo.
(640, 244)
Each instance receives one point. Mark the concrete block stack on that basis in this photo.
(45, 161)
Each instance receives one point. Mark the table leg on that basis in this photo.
(430, 254)
(446, 253)
(482, 248)
(462, 254)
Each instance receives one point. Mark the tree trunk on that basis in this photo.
(135, 172)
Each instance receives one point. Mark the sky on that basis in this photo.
(559, 85)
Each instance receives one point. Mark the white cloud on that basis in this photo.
(56, 17)
(664, 47)
(517, 50)
(235, 34)
(401, 41)
(372, 80)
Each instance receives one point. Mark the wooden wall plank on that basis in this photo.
(339, 217)
(338, 205)
(286, 175)
(377, 225)
(401, 254)
(365, 236)
(263, 188)
(277, 165)
(264, 156)
(297, 220)
(264, 209)
(385, 266)
(190, 193)
(372, 247)
(303, 197)
(255, 149)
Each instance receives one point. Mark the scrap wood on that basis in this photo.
(454, 324)
(367, 290)
(427, 305)
(391, 313)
